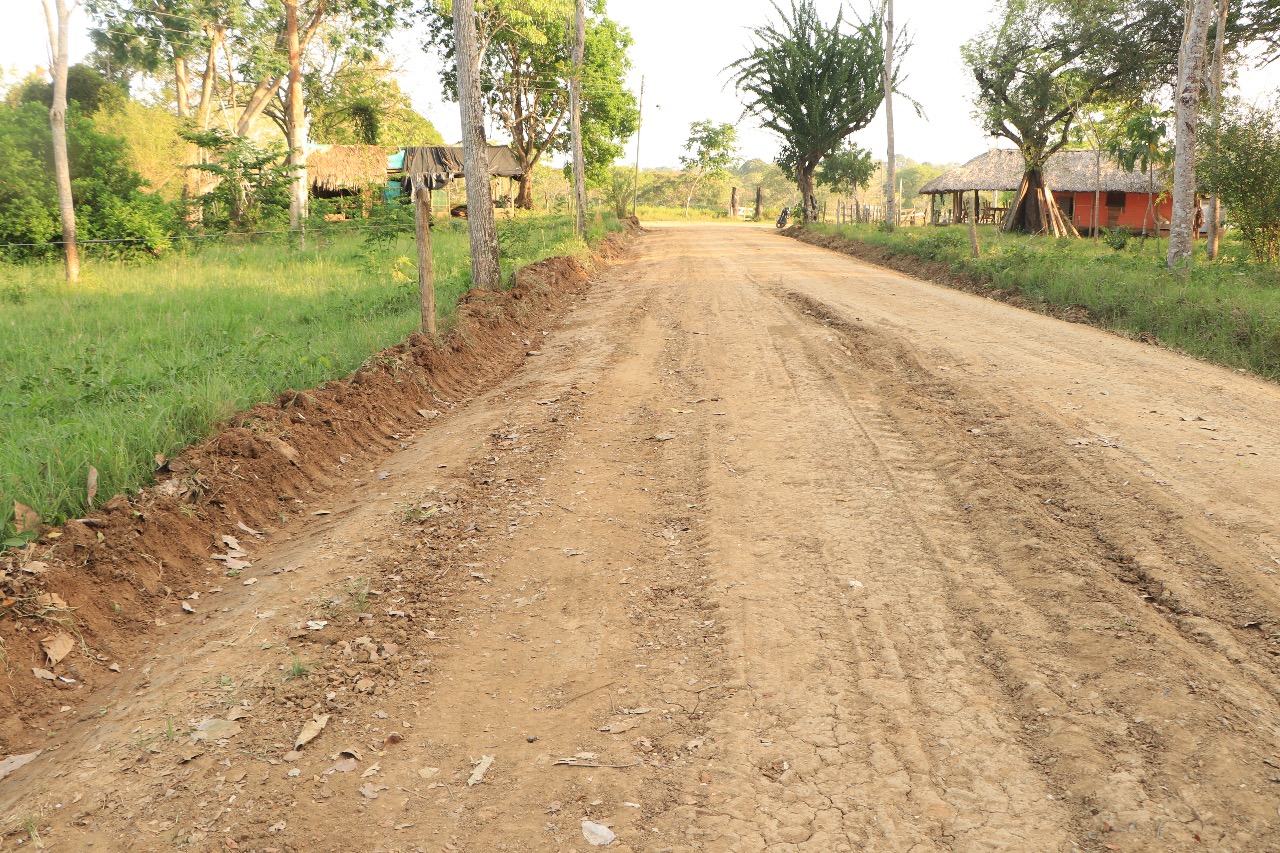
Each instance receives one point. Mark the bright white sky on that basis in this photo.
(681, 48)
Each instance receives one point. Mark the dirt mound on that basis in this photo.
(100, 582)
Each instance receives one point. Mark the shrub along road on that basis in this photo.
(764, 548)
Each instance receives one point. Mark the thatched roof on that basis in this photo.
(346, 167)
(1067, 171)
(445, 160)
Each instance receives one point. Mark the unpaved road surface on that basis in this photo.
(780, 552)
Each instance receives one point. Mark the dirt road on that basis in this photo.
(762, 549)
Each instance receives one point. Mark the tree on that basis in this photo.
(527, 69)
(59, 38)
(1143, 144)
(891, 159)
(486, 273)
(575, 119)
(1245, 171)
(251, 185)
(1042, 61)
(712, 149)
(1190, 82)
(847, 170)
(813, 84)
(912, 176)
(359, 102)
(108, 192)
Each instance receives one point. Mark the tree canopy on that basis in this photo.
(710, 150)
(1243, 167)
(813, 84)
(847, 170)
(527, 69)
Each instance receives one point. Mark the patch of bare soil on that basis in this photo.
(767, 549)
(129, 570)
(940, 273)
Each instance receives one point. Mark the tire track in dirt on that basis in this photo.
(827, 531)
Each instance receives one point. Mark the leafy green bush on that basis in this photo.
(1242, 164)
(1116, 238)
(110, 204)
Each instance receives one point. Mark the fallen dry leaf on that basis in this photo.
(57, 647)
(35, 567)
(311, 731)
(91, 485)
(231, 543)
(43, 674)
(346, 765)
(617, 727)
(370, 791)
(51, 601)
(25, 519)
(215, 730)
(247, 529)
(481, 768)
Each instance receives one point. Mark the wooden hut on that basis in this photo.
(1128, 199)
(343, 170)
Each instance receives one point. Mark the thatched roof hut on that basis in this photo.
(333, 168)
(1072, 171)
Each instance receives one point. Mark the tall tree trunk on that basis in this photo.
(205, 111)
(296, 121)
(575, 116)
(58, 39)
(891, 158)
(1182, 225)
(804, 182)
(759, 203)
(1215, 104)
(182, 90)
(486, 274)
(1097, 192)
(1035, 211)
(182, 86)
(524, 191)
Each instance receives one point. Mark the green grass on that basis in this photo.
(141, 359)
(1227, 312)
(646, 213)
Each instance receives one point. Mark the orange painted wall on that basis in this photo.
(1135, 209)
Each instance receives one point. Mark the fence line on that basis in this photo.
(321, 230)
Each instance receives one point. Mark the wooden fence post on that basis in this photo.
(759, 203)
(426, 268)
(733, 203)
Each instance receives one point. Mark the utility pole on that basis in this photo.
(635, 199)
(575, 116)
(891, 160)
(486, 274)
(58, 39)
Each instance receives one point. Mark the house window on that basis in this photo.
(1116, 200)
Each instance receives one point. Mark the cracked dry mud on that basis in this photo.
(783, 552)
